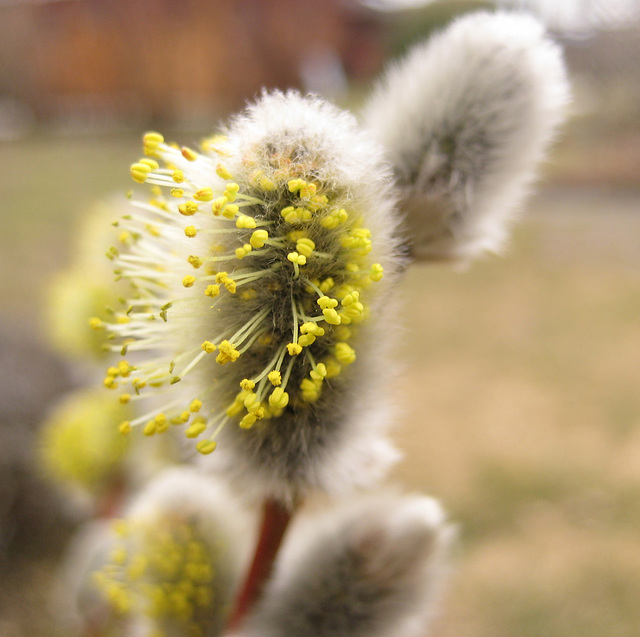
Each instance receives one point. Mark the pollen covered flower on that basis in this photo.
(260, 268)
(169, 566)
(79, 444)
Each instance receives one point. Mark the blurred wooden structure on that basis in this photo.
(165, 58)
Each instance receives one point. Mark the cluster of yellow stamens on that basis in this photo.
(278, 278)
(164, 572)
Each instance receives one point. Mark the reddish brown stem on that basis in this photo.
(275, 519)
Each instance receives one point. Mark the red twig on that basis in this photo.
(275, 519)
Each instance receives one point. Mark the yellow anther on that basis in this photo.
(189, 154)
(162, 424)
(275, 378)
(190, 231)
(326, 302)
(188, 209)
(222, 277)
(212, 290)
(308, 190)
(258, 238)
(294, 349)
(244, 221)
(350, 298)
(204, 194)
(219, 204)
(195, 405)
(247, 384)
(208, 347)
(248, 421)
(319, 372)
(310, 390)
(125, 428)
(289, 214)
(294, 257)
(231, 191)
(251, 402)
(228, 353)
(110, 383)
(95, 323)
(125, 398)
(152, 163)
(332, 317)
(230, 211)
(327, 285)
(196, 262)
(149, 428)
(140, 172)
(206, 447)
(195, 429)
(295, 184)
(223, 172)
(307, 339)
(177, 176)
(124, 237)
(305, 247)
(266, 184)
(152, 141)
(376, 272)
(188, 281)
(242, 252)
(279, 398)
(345, 353)
(342, 333)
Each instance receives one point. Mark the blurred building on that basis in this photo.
(176, 60)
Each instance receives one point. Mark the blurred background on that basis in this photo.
(527, 424)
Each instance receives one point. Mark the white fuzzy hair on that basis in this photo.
(370, 567)
(340, 443)
(466, 118)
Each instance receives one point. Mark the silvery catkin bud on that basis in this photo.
(465, 119)
(372, 568)
(261, 273)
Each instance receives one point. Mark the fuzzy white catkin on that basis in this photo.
(339, 443)
(179, 496)
(466, 118)
(371, 568)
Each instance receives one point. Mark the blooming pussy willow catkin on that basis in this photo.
(260, 269)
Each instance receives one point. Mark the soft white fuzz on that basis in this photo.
(466, 118)
(372, 569)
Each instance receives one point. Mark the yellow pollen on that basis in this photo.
(140, 172)
(188, 281)
(259, 238)
(196, 262)
(195, 405)
(212, 290)
(247, 384)
(244, 221)
(204, 194)
(151, 142)
(299, 259)
(294, 349)
(208, 347)
(219, 204)
(305, 247)
(376, 272)
(206, 447)
(223, 172)
(195, 429)
(279, 398)
(188, 209)
(177, 176)
(248, 421)
(189, 154)
(190, 231)
(275, 378)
